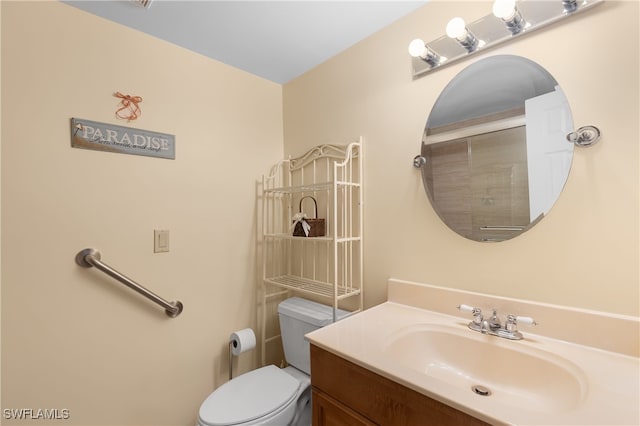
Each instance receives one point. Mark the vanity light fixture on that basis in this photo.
(510, 15)
(510, 19)
(418, 49)
(457, 29)
(570, 6)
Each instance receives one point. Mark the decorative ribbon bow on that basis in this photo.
(301, 218)
(129, 103)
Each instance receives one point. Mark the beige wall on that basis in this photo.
(74, 338)
(583, 254)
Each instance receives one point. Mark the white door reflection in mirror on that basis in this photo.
(548, 120)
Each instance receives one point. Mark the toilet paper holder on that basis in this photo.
(240, 341)
(230, 361)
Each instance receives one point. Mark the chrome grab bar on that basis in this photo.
(91, 257)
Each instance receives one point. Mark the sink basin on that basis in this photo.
(513, 374)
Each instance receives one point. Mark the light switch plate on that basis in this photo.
(160, 240)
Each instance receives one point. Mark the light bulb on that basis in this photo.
(456, 28)
(504, 9)
(417, 48)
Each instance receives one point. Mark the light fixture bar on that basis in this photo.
(489, 31)
(570, 6)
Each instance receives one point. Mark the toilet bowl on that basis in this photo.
(266, 396)
(270, 395)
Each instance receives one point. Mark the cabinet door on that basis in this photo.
(329, 412)
(381, 400)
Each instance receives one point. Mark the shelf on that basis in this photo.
(324, 186)
(332, 174)
(301, 188)
(344, 183)
(291, 237)
(310, 239)
(311, 286)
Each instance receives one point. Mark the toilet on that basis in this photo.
(270, 395)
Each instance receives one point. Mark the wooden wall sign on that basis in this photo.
(105, 137)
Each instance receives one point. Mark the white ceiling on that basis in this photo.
(276, 40)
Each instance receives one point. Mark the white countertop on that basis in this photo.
(609, 381)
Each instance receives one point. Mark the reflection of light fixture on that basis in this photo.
(144, 3)
(418, 49)
(510, 15)
(456, 28)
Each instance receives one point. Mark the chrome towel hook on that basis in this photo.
(584, 136)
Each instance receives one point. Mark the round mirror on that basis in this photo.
(495, 148)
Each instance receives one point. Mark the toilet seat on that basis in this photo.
(249, 396)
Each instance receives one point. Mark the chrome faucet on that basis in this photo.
(493, 326)
(485, 328)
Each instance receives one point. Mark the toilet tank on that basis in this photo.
(298, 317)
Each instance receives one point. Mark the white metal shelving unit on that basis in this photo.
(329, 268)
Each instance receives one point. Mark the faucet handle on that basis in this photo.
(467, 308)
(512, 321)
(526, 320)
(476, 312)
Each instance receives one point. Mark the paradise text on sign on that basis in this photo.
(88, 134)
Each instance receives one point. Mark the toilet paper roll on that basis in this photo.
(242, 341)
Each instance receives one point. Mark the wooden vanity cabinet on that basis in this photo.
(345, 394)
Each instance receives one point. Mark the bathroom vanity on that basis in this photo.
(413, 360)
(347, 394)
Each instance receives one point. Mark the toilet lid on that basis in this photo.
(249, 396)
